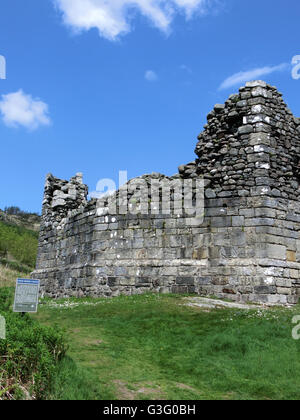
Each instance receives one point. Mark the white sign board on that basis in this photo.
(26, 295)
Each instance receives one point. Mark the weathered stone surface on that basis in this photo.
(245, 244)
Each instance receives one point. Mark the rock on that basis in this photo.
(246, 129)
(219, 108)
(58, 203)
(276, 193)
(181, 169)
(209, 193)
(256, 83)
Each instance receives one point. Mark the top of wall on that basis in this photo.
(250, 146)
(62, 197)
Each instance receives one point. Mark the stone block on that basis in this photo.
(238, 221)
(291, 256)
(203, 280)
(276, 251)
(185, 281)
(294, 273)
(223, 221)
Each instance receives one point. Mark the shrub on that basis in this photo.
(29, 354)
(15, 266)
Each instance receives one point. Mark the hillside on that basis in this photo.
(18, 244)
(15, 216)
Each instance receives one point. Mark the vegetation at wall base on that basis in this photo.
(15, 266)
(29, 354)
(33, 361)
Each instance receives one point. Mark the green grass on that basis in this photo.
(153, 347)
(74, 383)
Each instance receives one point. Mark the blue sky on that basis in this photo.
(96, 87)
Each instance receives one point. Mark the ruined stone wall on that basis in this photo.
(247, 245)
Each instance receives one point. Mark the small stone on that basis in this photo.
(219, 108)
(245, 129)
(276, 193)
(256, 83)
(209, 193)
(259, 91)
(244, 193)
(211, 115)
(241, 104)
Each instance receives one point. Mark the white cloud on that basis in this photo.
(20, 109)
(151, 76)
(254, 74)
(112, 18)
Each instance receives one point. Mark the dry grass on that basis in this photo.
(148, 390)
(8, 277)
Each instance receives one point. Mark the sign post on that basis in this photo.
(26, 295)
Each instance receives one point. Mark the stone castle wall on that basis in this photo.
(246, 247)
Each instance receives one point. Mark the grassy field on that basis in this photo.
(155, 347)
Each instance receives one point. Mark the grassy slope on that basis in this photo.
(8, 276)
(153, 347)
(18, 244)
(30, 221)
(18, 248)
